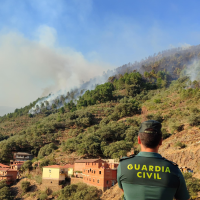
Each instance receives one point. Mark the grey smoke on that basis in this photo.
(31, 69)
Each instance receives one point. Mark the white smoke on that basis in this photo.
(31, 69)
(182, 46)
(193, 70)
(77, 92)
(185, 46)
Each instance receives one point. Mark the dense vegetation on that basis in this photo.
(5, 193)
(193, 185)
(79, 191)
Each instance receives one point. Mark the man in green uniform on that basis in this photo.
(149, 176)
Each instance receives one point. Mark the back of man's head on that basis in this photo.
(150, 133)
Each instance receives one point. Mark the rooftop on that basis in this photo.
(59, 166)
(68, 166)
(52, 166)
(7, 170)
(20, 164)
(87, 160)
(23, 153)
(4, 166)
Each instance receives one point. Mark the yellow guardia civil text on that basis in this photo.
(148, 171)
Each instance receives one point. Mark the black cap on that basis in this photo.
(150, 124)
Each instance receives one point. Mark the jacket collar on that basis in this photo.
(149, 154)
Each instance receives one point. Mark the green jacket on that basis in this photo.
(149, 176)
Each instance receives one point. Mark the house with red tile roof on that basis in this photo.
(9, 175)
(4, 166)
(16, 164)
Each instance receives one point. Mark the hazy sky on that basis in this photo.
(47, 45)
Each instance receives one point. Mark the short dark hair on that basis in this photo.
(150, 140)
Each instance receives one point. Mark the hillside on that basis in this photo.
(104, 122)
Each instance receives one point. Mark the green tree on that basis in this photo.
(159, 82)
(192, 183)
(62, 110)
(117, 149)
(26, 165)
(79, 191)
(5, 193)
(46, 150)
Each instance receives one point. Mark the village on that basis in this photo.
(101, 173)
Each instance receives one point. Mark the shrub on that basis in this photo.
(175, 126)
(165, 134)
(117, 149)
(157, 100)
(43, 196)
(25, 186)
(126, 109)
(75, 132)
(131, 134)
(70, 145)
(38, 179)
(194, 110)
(26, 165)
(79, 191)
(46, 150)
(158, 117)
(133, 121)
(102, 93)
(104, 121)
(194, 120)
(55, 194)
(33, 194)
(180, 144)
(193, 184)
(5, 193)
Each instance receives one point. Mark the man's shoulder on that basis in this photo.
(173, 163)
(126, 157)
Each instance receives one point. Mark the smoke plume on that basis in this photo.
(35, 68)
(193, 70)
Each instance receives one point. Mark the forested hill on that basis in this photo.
(171, 60)
(104, 122)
